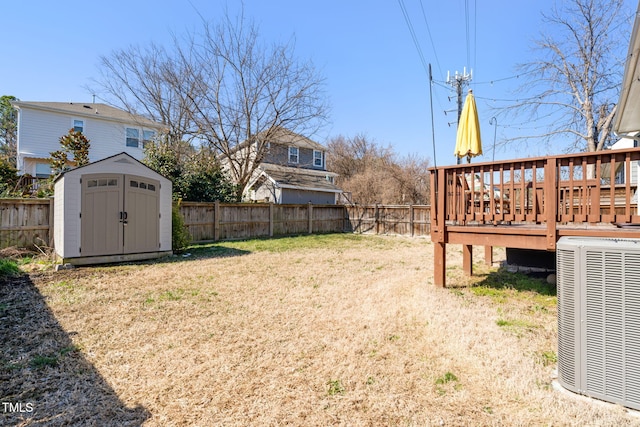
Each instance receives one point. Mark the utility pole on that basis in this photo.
(458, 82)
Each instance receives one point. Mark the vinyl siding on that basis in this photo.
(59, 222)
(40, 131)
(279, 155)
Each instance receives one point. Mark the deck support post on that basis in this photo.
(488, 255)
(551, 206)
(440, 264)
(467, 259)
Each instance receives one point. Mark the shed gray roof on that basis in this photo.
(299, 178)
(103, 111)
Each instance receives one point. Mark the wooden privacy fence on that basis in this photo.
(406, 220)
(25, 222)
(229, 221)
(29, 222)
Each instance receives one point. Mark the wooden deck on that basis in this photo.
(531, 203)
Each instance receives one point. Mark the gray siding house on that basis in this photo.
(293, 171)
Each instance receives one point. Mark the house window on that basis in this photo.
(133, 137)
(78, 125)
(43, 170)
(147, 137)
(317, 159)
(293, 155)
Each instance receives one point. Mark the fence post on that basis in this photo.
(376, 219)
(411, 218)
(216, 220)
(310, 214)
(345, 216)
(271, 207)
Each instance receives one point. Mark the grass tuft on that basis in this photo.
(446, 378)
(335, 387)
(40, 361)
(548, 358)
(9, 268)
(503, 279)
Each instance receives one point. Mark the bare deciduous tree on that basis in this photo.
(222, 86)
(249, 92)
(151, 82)
(576, 76)
(375, 174)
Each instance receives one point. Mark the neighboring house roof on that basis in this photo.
(287, 137)
(299, 178)
(103, 111)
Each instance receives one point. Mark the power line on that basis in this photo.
(515, 76)
(467, 35)
(485, 98)
(433, 46)
(413, 35)
(475, 34)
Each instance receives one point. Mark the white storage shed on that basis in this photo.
(115, 209)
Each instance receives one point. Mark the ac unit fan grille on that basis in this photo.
(599, 332)
(566, 318)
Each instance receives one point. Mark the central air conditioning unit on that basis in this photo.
(599, 318)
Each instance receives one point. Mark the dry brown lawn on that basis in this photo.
(308, 331)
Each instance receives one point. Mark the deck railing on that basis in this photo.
(531, 203)
(583, 188)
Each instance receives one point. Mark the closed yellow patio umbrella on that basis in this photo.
(468, 141)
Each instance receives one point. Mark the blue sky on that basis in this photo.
(375, 80)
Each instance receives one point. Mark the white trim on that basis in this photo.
(73, 124)
(321, 165)
(297, 154)
(143, 140)
(126, 137)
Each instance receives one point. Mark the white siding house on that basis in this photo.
(628, 142)
(110, 131)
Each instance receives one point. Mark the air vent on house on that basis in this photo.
(599, 318)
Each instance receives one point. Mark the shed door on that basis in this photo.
(120, 215)
(142, 207)
(101, 229)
